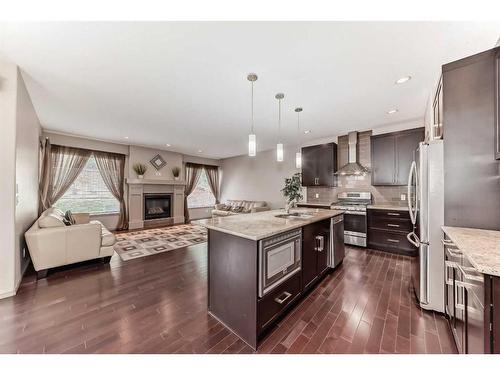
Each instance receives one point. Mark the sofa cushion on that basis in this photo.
(51, 219)
(237, 209)
(221, 213)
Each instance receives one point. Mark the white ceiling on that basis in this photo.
(185, 83)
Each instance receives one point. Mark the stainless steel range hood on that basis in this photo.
(352, 168)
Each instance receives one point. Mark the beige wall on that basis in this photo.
(144, 155)
(8, 98)
(257, 178)
(28, 132)
(19, 147)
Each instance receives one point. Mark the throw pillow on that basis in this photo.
(68, 218)
(224, 207)
(236, 208)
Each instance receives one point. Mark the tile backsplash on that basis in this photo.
(381, 194)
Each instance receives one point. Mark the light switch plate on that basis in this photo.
(403, 197)
(316, 195)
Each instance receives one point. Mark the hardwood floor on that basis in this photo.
(157, 304)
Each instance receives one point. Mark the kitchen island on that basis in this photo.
(260, 264)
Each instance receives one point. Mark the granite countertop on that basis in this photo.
(264, 224)
(481, 247)
(389, 207)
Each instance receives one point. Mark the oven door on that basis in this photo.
(279, 259)
(355, 223)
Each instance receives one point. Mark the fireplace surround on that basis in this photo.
(140, 189)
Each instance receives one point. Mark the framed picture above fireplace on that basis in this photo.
(158, 162)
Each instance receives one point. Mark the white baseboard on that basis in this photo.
(7, 294)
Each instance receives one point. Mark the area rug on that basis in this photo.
(142, 243)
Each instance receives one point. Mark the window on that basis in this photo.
(89, 193)
(202, 195)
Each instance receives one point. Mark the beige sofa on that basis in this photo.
(51, 243)
(248, 207)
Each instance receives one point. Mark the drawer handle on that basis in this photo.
(468, 275)
(393, 214)
(393, 225)
(449, 244)
(281, 299)
(391, 240)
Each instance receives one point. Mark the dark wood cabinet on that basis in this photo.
(383, 157)
(387, 230)
(392, 154)
(497, 105)
(469, 306)
(315, 245)
(319, 163)
(471, 172)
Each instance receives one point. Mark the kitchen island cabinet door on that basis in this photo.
(315, 246)
(309, 255)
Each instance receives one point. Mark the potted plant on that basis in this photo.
(140, 169)
(176, 171)
(292, 191)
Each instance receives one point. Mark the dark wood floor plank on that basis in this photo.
(157, 304)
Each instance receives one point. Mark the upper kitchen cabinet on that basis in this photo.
(471, 141)
(319, 163)
(497, 104)
(392, 155)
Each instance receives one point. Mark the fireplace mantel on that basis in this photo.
(149, 181)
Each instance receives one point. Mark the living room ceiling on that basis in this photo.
(184, 83)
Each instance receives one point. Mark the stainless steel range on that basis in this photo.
(355, 224)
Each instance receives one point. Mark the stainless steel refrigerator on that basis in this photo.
(426, 206)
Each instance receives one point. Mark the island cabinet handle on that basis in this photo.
(393, 225)
(281, 299)
(320, 243)
(393, 214)
(391, 240)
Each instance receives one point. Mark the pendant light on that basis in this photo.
(279, 145)
(252, 139)
(298, 154)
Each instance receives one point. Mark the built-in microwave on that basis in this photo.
(279, 259)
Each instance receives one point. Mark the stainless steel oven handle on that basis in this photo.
(281, 299)
(360, 213)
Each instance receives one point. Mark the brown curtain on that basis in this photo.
(213, 180)
(43, 183)
(112, 169)
(193, 172)
(61, 167)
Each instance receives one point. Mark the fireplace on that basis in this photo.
(157, 206)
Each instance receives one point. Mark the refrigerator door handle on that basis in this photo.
(413, 213)
(413, 239)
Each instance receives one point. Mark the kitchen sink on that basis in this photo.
(294, 215)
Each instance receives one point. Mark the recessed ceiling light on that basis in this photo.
(307, 131)
(200, 150)
(392, 111)
(168, 145)
(126, 137)
(403, 80)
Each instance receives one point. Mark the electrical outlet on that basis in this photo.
(403, 197)
(316, 195)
